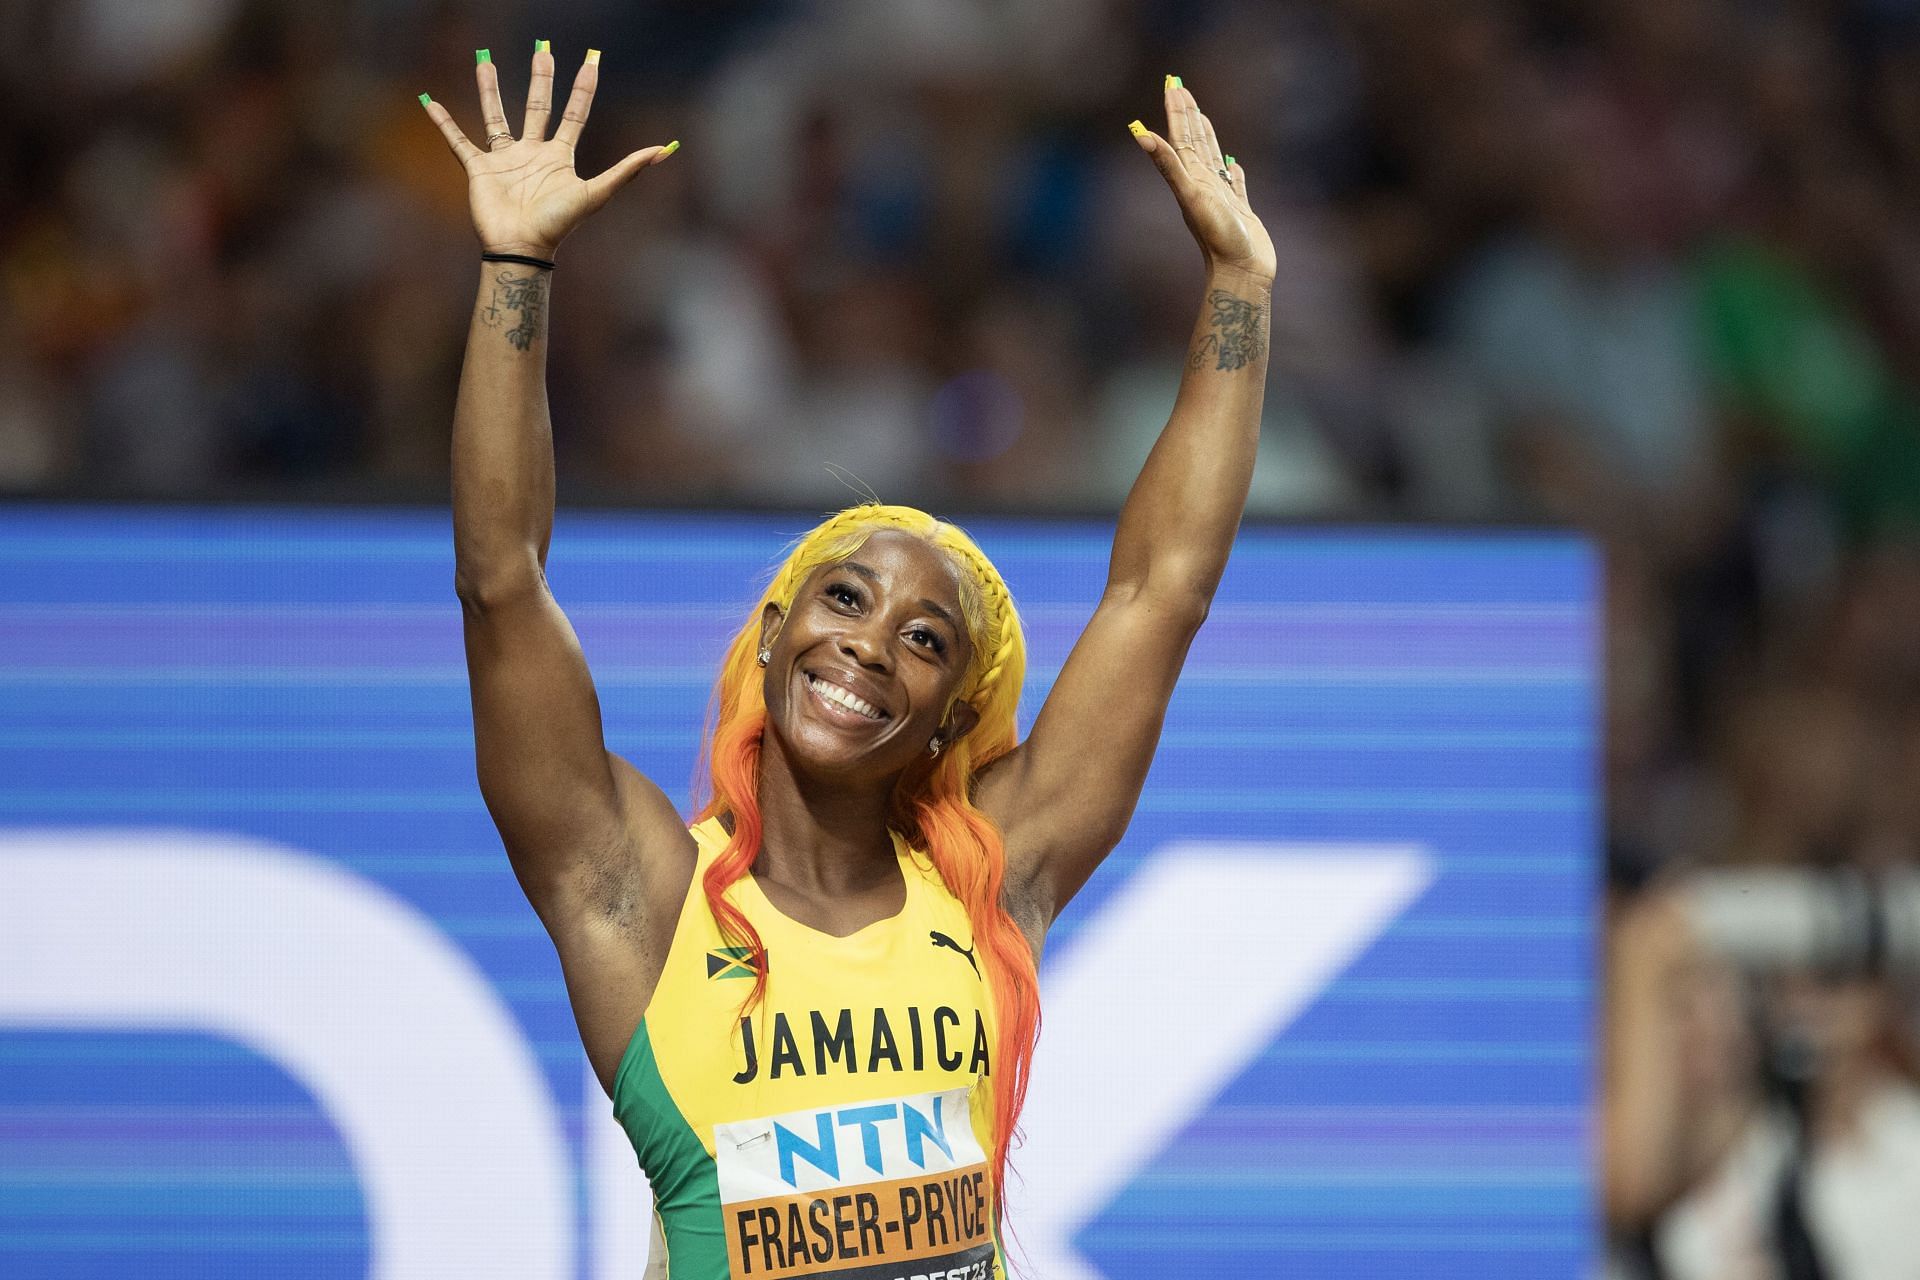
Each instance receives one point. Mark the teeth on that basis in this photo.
(834, 693)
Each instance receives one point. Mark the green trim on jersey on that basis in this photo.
(686, 1189)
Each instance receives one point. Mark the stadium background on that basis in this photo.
(1641, 269)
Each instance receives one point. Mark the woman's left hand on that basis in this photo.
(1211, 190)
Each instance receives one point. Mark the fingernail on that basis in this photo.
(593, 57)
(670, 148)
(1229, 162)
(543, 46)
(1173, 82)
(482, 55)
(425, 101)
(1137, 129)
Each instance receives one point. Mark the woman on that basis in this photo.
(814, 1010)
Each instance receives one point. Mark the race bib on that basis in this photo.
(895, 1189)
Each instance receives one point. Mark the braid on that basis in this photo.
(1001, 625)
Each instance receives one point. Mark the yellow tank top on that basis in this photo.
(844, 1127)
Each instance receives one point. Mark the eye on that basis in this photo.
(842, 593)
(929, 639)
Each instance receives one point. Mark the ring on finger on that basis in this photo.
(1224, 175)
(493, 138)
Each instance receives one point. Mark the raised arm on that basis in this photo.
(1064, 797)
(571, 815)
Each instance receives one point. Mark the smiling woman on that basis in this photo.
(826, 708)
(815, 1007)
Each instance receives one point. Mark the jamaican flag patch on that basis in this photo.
(735, 962)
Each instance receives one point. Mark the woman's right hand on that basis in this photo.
(523, 193)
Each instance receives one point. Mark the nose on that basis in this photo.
(865, 643)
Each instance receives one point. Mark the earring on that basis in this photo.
(766, 656)
(933, 748)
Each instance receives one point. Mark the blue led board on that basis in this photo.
(271, 1003)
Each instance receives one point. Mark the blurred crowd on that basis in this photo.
(1647, 267)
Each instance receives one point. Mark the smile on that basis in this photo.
(832, 693)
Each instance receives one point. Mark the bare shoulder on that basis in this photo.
(618, 930)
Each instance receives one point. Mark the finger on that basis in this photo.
(1239, 179)
(1165, 158)
(1179, 126)
(539, 93)
(1196, 152)
(463, 150)
(1210, 144)
(491, 112)
(580, 101)
(600, 189)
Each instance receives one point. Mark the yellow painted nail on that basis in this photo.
(1173, 82)
(543, 46)
(593, 57)
(1137, 129)
(670, 148)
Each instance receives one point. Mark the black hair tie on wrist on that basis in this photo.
(520, 258)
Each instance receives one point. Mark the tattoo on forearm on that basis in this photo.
(1236, 334)
(522, 301)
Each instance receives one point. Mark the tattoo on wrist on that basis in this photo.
(1236, 333)
(521, 300)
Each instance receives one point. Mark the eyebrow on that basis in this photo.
(931, 606)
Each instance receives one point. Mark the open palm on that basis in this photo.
(1211, 189)
(523, 193)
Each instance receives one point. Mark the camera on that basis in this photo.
(1838, 922)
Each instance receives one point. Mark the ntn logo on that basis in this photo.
(908, 1130)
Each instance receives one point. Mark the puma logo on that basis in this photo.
(942, 940)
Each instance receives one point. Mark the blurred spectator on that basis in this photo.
(1777, 1137)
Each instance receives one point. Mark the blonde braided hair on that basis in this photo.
(932, 808)
(1002, 630)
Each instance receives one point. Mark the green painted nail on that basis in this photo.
(425, 100)
(543, 46)
(482, 55)
(1229, 162)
